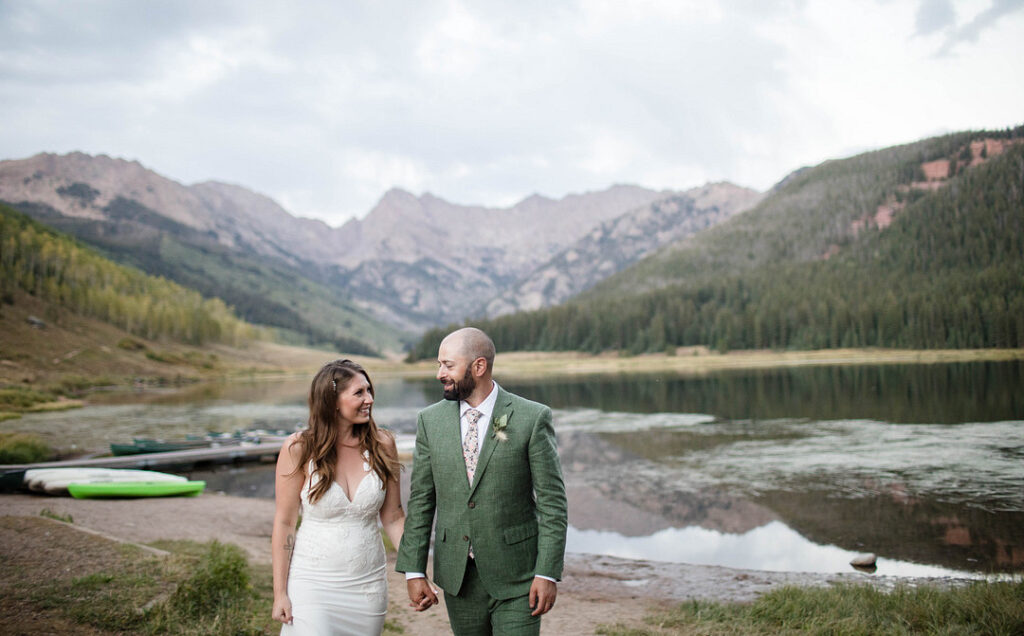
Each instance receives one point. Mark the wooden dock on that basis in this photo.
(266, 450)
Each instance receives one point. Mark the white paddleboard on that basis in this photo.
(54, 481)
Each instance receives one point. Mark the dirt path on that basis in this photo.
(594, 591)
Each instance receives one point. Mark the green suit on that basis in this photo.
(514, 514)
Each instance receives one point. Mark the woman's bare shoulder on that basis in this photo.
(293, 444)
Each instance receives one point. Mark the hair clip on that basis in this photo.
(334, 383)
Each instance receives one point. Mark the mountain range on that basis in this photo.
(914, 246)
(411, 263)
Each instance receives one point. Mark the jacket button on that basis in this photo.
(472, 504)
(465, 538)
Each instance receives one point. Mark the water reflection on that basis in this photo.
(218, 407)
(976, 464)
(932, 393)
(901, 525)
(773, 546)
(951, 496)
(919, 464)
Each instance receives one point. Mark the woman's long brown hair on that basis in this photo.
(320, 439)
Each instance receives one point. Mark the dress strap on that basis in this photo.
(311, 476)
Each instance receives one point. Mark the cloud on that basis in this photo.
(970, 32)
(325, 105)
(935, 15)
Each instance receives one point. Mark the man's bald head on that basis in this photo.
(471, 343)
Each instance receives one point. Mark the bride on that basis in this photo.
(342, 473)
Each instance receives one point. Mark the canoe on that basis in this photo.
(141, 446)
(55, 481)
(11, 480)
(137, 447)
(136, 489)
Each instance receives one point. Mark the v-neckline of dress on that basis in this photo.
(354, 492)
(365, 456)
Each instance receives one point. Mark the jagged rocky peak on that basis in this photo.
(398, 196)
(725, 194)
(609, 247)
(77, 184)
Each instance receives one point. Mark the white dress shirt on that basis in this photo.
(483, 425)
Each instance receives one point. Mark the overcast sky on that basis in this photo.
(326, 105)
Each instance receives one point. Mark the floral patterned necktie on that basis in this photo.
(470, 445)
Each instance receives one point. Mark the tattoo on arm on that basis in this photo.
(289, 548)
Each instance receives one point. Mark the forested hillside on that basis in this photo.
(876, 250)
(57, 269)
(261, 289)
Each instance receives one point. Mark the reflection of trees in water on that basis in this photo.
(897, 527)
(884, 518)
(941, 393)
(658, 444)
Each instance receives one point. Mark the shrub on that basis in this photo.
(20, 398)
(131, 344)
(23, 448)
(219, 579)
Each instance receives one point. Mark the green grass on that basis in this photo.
(980, 608)
(23, 448)
(17, 398)
(73, 384)
(49, 514)
(220, 594)
(201, 589)
(131, 344)
(165, 356)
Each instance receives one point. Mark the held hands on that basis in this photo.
(421, 594)
(282, 611)
(542, 596)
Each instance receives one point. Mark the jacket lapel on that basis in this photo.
(451, 442)
(502, 407)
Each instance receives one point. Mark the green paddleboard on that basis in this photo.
(136, 489)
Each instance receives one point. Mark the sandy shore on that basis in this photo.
(595, 590)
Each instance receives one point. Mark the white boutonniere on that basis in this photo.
(498, 427)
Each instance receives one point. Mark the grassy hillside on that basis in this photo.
(50, 356)
(300, 306)
(70, 319)
(815, 266)
(50, 266)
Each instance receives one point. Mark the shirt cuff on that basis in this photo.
(546, 578)
(414, 575)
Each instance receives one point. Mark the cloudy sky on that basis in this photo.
(326, 105)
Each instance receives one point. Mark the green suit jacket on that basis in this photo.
(514, 513)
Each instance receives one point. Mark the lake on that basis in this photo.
(794, 469)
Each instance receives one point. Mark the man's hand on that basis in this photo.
(542, 596)
(421, 594)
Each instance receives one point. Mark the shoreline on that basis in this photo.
(263, 362)
(596, 590)
(701, 360)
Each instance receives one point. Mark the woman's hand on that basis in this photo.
(282, 611)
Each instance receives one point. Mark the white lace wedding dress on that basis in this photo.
(337, 581)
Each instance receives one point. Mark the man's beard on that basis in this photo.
(462, 389)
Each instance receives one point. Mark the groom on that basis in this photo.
(486, 463)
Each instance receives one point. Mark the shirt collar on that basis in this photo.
(486, 407)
